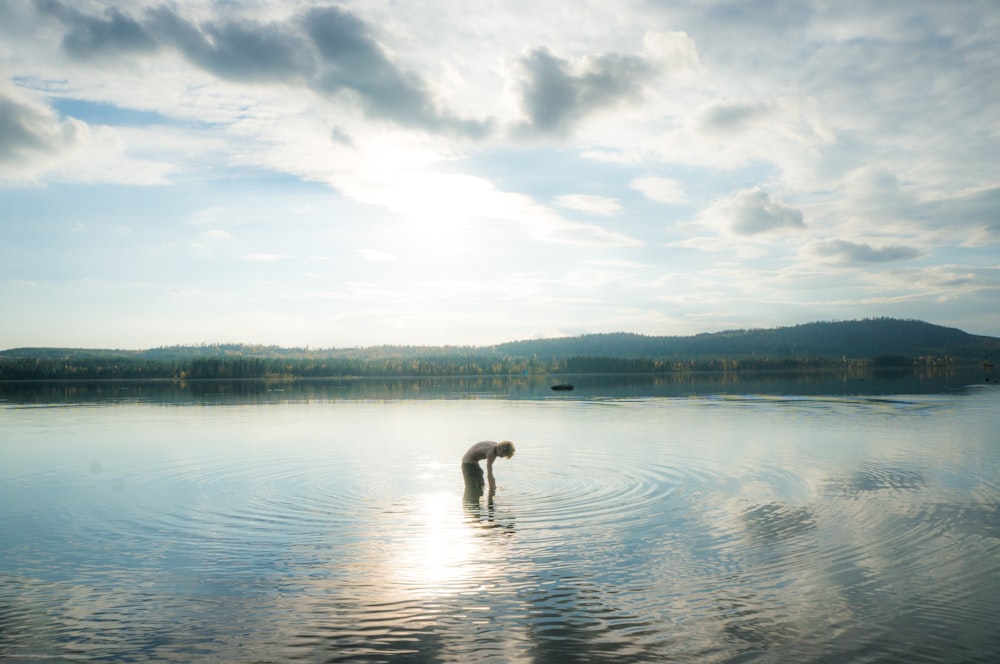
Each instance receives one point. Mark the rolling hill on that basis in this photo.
(877, 341)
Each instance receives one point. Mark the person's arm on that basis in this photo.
(490, 458)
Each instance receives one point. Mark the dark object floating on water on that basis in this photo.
(562, 386)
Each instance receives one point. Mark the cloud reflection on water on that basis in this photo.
(685, 529)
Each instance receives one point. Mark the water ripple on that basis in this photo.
(710, 529)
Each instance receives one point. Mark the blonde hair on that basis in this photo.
(505, 449)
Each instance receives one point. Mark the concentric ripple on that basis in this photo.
(704, 529)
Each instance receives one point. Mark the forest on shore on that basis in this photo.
(874, 342)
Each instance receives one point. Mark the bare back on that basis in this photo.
(486, 449)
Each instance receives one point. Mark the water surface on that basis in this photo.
(637, 521)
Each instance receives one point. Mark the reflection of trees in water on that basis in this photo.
(670, 384)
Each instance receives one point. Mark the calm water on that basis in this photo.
(703, 519)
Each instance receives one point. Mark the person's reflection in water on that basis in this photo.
(486, 517)
(472, 472)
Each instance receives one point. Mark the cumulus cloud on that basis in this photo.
(873, 189)
(734, 116)
(238, 50)
(35, 143)
(31, 132)
(786, 132)
(663, 190)
(556, 93)
(853, 253)
(754, 212)
(351, 59)
(751, 212)
(872, 195)
(89, 36)
(600, 205)
(339, 136)
(328, 50)
(675, 51)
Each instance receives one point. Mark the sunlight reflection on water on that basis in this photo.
(707, 528)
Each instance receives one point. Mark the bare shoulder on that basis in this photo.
(479, 451)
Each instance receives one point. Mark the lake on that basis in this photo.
(711, 518)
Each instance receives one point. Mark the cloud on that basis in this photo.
(556, 93)
(734, 116)
(600, 205)
(873, 189)
(755, 212)
(351, 59)
(36, 143)
(339, 136)
(751, 212)
(872, 197)
(871, 132)
(30, 131)
(90, 36)
(787, 133)
(945, 277)
(854, 253)
(376, 255)
(328, 50)
(237, 50)
(674, 51)
(976, 211)
(663, 190)
(264, 257)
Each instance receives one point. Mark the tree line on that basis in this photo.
(238, 368)
(867, 338)
(876, 342)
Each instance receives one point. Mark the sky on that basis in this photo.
(326, 174)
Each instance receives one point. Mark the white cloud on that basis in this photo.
(663, 190)
(751, 212)
(557, 93)
(376, 255)
(599, 205)
(734, 117)
(36, 144)
(511, 145)
(675, 51)
(787, 132)
(855, 253)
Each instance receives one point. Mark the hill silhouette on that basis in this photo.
(854, 339)
(873, 342)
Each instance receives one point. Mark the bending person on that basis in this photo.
(473, 473)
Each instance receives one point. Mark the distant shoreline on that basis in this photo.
(873, 343)
(858, 369)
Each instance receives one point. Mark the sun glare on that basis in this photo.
(435, 553)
